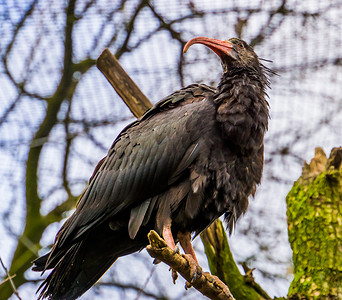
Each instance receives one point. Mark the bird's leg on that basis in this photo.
(185, 241)
(190, 256)
(168, 238)
(167, 235)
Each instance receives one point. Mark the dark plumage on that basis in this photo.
(196, 155)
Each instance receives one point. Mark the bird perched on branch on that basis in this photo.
(196, 155)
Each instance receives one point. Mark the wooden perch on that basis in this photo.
(134, 98)
(209, 285)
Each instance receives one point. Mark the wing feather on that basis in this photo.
(145, 160)
(136, 218)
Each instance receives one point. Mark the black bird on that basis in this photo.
(196, 155)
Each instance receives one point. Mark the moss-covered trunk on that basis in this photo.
(222, 264)
(314, 212)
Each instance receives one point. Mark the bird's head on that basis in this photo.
(234, 53)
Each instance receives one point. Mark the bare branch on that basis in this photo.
(9, 277)
(209, 285)
(132, 287)
(19, 25)
(119, 285)
(68, 142)
(105, 22)
(55, 215)
(129, 29)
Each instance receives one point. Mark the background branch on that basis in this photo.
(9, 278)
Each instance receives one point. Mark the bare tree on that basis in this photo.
(58, 112)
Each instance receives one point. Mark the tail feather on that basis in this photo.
(83, 264)
(73, 275)
(40, 263)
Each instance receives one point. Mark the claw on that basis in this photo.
(187, 285)
(209, 277)
(174, 275)
(216, 281)
(176, 250)
(195, 269)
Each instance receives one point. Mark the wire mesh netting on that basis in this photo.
(303, 39)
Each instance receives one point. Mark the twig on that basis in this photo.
(9, 277)
(145, 284)
(209, 285)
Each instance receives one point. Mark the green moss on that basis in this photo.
(222, 264)
(314, 223)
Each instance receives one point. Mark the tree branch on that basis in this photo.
(9, 277)
(222, 264)
(209, 285)
(129, 29)
(26, 249)
(128, 286)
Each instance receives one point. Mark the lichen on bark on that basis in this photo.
(314, 212)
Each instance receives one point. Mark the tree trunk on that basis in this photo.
(222, 264)
(314, 212)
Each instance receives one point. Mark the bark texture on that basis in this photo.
(314, 211)
(222, 264)
(209, 285)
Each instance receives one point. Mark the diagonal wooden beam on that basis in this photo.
(126, 88)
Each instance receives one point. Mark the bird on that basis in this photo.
(196, 155)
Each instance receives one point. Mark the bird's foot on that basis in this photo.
(176, 250)
(195, 270)
(217, 282)
(174, 275)
(187, 285)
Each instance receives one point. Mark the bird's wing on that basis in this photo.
(147, 157)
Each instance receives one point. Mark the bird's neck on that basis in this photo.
(242, 110)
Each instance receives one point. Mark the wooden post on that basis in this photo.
(126, 88)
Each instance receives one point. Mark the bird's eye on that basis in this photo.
(238, 43)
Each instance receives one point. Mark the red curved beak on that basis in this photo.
(217, 46)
